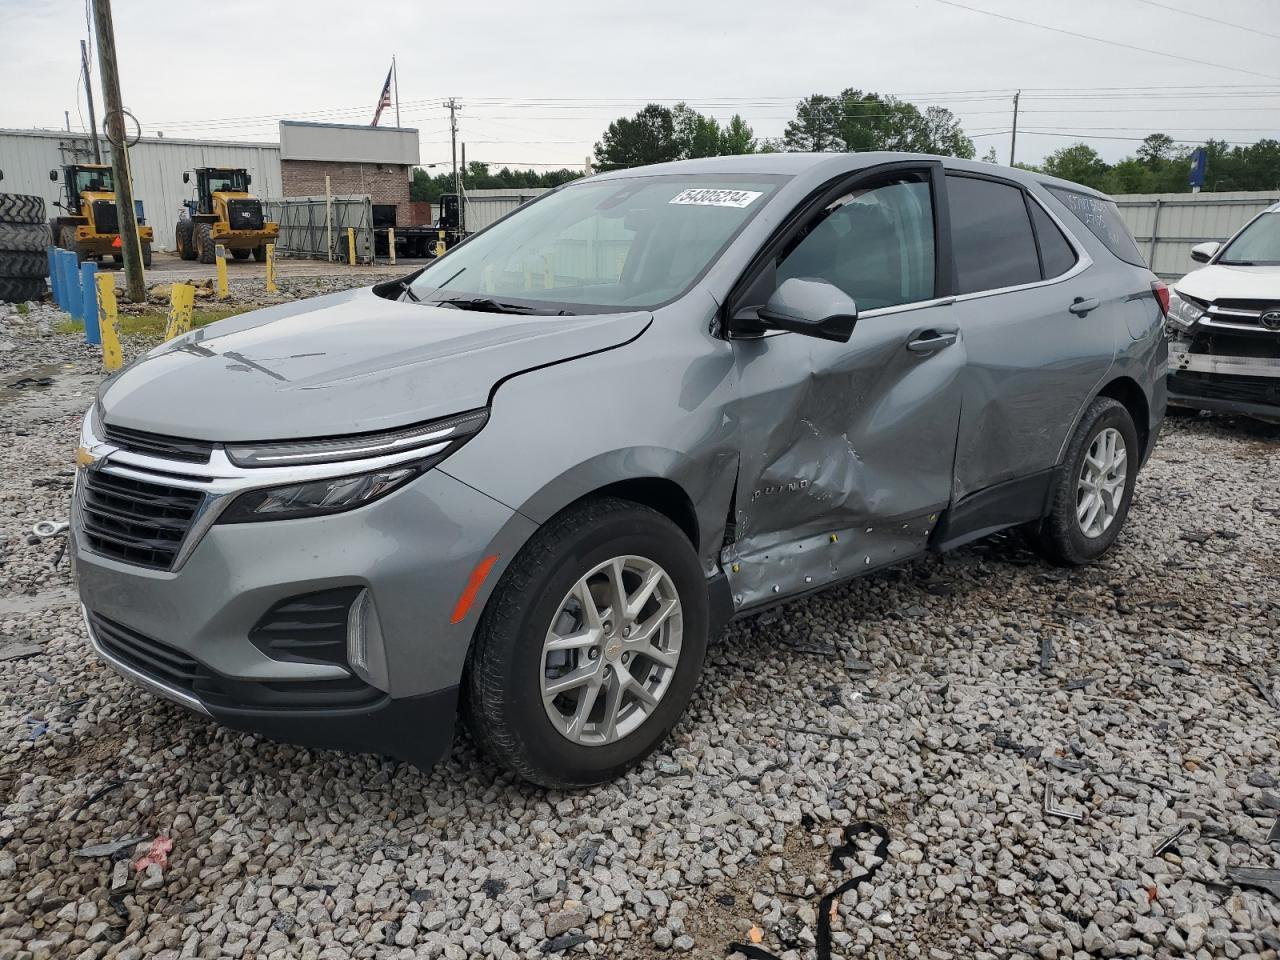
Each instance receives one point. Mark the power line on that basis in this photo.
(1112, 43)
(1201, 16)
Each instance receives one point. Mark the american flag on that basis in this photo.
(384, 101)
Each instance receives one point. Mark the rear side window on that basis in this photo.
(1055, 251)
(1102, 217)
(991, 237)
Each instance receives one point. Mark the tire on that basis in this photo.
(21, 208)
(240, 254)
(183, 240)
(24, 265)
(146, 255)
(20, 290)
(1061, 537)
(205, 247)
(67, 241)
(260, 253)
(117, 258)
(503, 680)
(32, 237)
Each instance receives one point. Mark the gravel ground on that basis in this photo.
(941, 700)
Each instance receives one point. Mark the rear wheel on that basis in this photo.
(67, 241)
(260, 253)
(590, 647)
(1090, 497)
(205, 247)
(183, 239)
(146, 254)
(240, 254)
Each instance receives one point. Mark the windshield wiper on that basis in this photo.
(490, 305)
(407, 287)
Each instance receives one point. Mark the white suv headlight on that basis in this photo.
(1184, 313)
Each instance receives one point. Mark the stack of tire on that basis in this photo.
(24, 237)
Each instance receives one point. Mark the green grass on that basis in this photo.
(23, 309)
(151, 323)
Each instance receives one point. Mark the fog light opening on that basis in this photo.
(362, 624)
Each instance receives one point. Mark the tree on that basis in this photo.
(1155, 149)
(990, 156)
(859, 120)
(477, 176)
(648, 137)
(1079, 163)
(696, 135)
(737, 138)
(816, 128)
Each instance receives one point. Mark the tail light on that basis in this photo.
(1161, 291)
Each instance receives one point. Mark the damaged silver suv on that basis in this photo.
(530, 481)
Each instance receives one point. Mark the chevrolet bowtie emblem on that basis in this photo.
(84, 458)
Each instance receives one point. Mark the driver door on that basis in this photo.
(847, 449)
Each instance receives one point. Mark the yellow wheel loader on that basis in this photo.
(223, 212)
(89, 224)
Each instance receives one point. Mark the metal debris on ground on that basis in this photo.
(109, 849)
(50, 528)
(1067, 766)
(1166, 844)
(1259, 878)
(1052, 808)
(18, 651)
(24, 383)
(1046, 653)
(99, 794)
(1079, 684)
(848, 850)
(564, 942)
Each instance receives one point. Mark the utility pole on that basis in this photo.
(453, 138)
(113, 123)
(396, 79)
(88, 93)
(1013, 141)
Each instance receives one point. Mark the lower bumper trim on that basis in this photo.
(180, 697)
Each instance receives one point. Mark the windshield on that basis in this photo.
(1258, 243)
(231, 181)
(97, 181)
(632, 243)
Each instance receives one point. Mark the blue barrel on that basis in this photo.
(89, 301)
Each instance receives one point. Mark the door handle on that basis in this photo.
(1080, 306)
(931, 340)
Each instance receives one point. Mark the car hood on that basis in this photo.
(1237, 283)
(345, 363)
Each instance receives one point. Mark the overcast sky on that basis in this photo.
(537, 83)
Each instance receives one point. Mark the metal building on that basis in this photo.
(27, 156)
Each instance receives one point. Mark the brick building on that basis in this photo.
(377, 161)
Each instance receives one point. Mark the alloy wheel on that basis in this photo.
(612, 650)
(1100, 487)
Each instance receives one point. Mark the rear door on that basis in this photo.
(847, 448)
(1040, 330)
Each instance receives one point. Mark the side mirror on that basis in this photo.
(186, 177)
(53, 175)
(1203, 252)
(813, 308)
(248, 179)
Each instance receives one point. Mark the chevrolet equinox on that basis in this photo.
(529, 482)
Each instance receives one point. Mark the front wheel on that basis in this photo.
(1090, 497)
(590, 647)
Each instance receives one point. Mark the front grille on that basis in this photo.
(1257, 306)
(179, 670)
(135, 521)
(1210, 386)
(105, 219)
(155, 445)
(244, 214)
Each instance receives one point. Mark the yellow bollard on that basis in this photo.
(391, 244)
(220, 255)
(440, 248)
(108, 325)
(351, 246)
(271, 268)
(182, 298)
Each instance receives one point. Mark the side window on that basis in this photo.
(1056, 254)
(1102, 217)
(991, 236)
(875, 243)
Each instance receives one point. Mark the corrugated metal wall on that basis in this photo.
(1168, 225)
(485, 206)
(27, 156)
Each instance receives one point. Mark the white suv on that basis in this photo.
(1224, 324)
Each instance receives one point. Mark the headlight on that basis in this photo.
(1183, 313)
(436, 439)
(316, 498)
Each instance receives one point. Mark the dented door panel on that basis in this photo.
(847, 451)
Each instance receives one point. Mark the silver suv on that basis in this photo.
(534, 479)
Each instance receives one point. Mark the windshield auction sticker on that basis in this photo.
(716, 198)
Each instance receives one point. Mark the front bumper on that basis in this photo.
(245, 239)
(193, 633)
(1227, 384)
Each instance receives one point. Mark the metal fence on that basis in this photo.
(1168, 225)
(316, 227)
